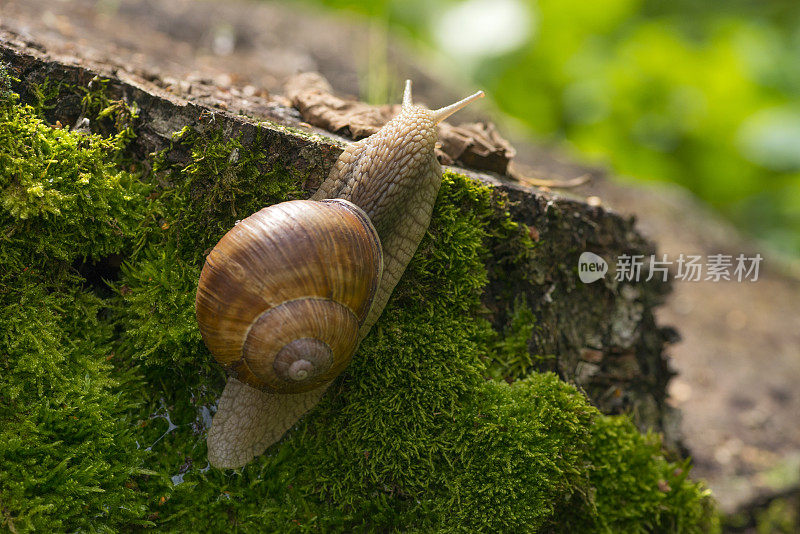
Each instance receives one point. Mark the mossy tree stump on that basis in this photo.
(447, 418)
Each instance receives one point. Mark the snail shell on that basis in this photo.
(282, 295)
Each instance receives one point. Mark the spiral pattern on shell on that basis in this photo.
(282, 295)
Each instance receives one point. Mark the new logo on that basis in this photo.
(591, 267)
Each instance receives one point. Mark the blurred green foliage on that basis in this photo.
(703, 94)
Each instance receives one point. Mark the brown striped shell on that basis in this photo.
(282, 295)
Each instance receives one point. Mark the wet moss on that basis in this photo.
(105, 398)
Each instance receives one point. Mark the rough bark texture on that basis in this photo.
(602, 336)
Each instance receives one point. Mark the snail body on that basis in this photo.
(334, 281)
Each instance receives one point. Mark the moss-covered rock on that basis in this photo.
(105, 396)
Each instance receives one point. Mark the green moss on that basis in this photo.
(158, 322)
(636, 490)
(67, 445)
(414, 436)
(62, 197)
(222, 183)
(512, 359)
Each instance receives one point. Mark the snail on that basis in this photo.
(287, 295)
